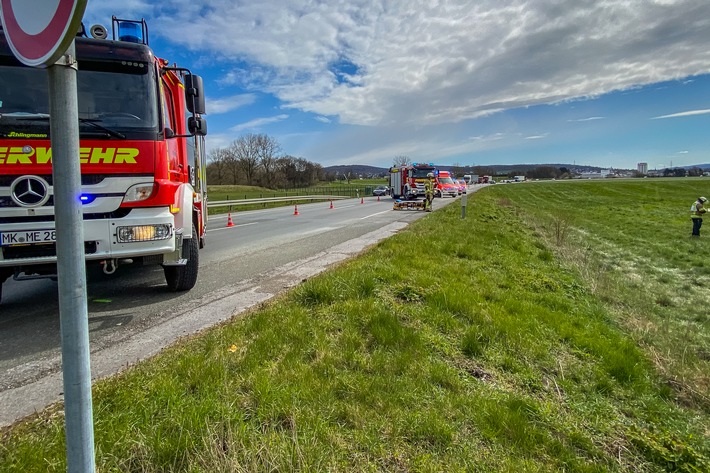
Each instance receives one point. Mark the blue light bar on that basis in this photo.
(130, 31)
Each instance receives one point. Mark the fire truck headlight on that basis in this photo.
(143, 233)
(139, 192)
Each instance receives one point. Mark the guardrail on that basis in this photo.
(229, 203)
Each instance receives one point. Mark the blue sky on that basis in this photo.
(604, 83)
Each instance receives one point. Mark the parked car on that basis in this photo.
(381, 190)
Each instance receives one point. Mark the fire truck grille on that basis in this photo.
(7, 202)
(40, 251)
(118, 213)
(86, 179)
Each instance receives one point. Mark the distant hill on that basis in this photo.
(704, 167)
(357, 170)
(361, 170)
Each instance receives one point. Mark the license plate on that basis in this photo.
(27, 237)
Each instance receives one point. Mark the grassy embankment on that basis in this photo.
(561, 326)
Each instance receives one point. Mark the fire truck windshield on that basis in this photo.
(117, 96)
(421, 173)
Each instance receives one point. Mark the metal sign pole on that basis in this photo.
(71, 270)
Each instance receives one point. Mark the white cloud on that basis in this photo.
(227, 104)
(484, 138)
(218, 141)
(589, 119)
(101, 12)
(422, 62)
(322, 119)
(258, 122)
(683, 114)
(536, 137)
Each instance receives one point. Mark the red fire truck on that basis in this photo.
(142, 154)
(407, 182)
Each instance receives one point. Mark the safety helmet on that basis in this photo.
(703, 199)
(432, 175)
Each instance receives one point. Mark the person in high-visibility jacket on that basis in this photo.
(697, 210)
(428, 192)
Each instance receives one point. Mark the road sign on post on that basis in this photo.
(41, 34)
(40, 31)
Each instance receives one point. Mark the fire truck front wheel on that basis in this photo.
(183, 278)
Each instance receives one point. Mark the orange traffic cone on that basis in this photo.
(362, 200)
(295, 209)
(331, 205)
(229, 220)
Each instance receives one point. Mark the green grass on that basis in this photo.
(542, 333)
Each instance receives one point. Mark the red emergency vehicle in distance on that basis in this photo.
(142, 154)
(445, 185)
(407, 182)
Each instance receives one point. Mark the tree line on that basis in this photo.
(256, 160)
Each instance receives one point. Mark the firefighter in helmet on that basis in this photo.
(428, 192)
(697, 212)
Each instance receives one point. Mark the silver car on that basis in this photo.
(381, 190)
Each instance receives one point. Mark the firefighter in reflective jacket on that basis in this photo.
(697, 210)
(428, 192)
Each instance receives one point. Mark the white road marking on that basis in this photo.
(378, 213)
(235, 225)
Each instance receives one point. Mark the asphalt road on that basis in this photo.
(132, 315)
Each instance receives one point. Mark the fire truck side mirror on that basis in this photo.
(194, 94)
(197, 126)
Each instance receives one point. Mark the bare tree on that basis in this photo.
(401, 160)
(457, 170)
(231, 164)
(217, 167)
(246, 155)
(242, 162)
(267, 149)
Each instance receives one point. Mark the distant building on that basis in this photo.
(590, 175)
(642, 168)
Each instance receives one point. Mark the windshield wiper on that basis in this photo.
(88, 121)
(92, 122)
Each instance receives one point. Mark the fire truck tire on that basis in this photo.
(183, 278)
(0, 292)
